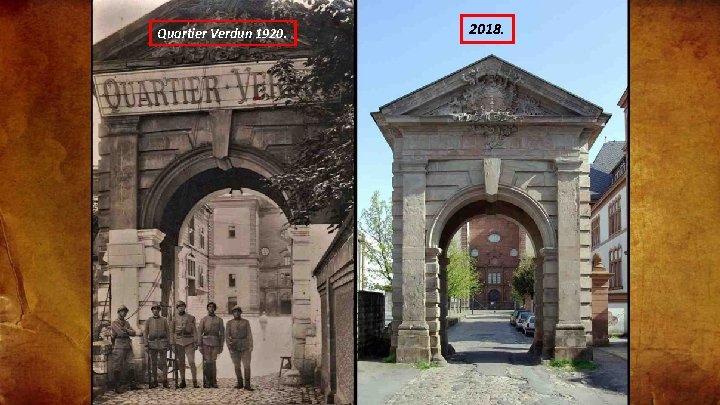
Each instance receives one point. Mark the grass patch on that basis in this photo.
(425, 365)
(574, 365)
(390, 359)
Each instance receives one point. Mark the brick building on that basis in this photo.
(496, 243)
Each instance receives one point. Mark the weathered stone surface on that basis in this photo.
(481, 129)
(491, 167)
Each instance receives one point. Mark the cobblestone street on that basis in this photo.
(491, 367)
(268, 390)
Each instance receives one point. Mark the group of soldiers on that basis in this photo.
(183, 336)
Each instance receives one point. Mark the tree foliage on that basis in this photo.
(523, 280)
(321, 175)
(376, 241)
(462, 277)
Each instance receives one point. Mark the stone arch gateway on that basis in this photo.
(491, 139)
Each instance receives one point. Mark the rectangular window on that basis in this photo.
(616, 268)
(231, 280)
(232, 301)
(201, 281)
(285, 280)
(614, 217)
(231, 231)
(494, 278)
(202, 238)
(190, 269)
(286, 260)
(595, 232)
(191, 288)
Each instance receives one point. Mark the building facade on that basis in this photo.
(192, 275)
(496, 244)
(250, 260)
(609, 221)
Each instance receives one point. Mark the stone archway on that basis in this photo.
(190, 178)
(491, 138)
(179, 186)
(516, 205)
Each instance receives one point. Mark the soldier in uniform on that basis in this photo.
(211, 333)
(157, 333)
(183, 339)
(122, 354)
(240, 344)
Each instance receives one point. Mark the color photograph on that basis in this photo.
(493, 204)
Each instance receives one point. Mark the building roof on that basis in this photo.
(601, 169)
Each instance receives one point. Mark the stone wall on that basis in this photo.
(335, 275)
(370, 321)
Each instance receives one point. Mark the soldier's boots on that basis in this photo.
(195, 383)
(239, 384)
(206, 376)
(165, 384)
(214, 376)
(181, 385)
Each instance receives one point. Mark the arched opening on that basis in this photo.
(517, 207)
(189, 180)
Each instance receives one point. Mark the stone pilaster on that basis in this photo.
(122, 133)
(134, 260)
(443, 263)
(569, 332)
(600, 285)
(432, 303)
(413, 332)
(549, 300)
(301, 307)
(538, 309)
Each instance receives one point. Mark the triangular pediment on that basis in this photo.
(491, 89)
(127, 48)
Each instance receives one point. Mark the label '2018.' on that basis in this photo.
(485, 29)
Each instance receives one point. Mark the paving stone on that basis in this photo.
(268, 390)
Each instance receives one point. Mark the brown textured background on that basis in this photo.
(675, 202)
(44, 202)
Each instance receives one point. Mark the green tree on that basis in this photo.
(376, 242)
(321, 175)
(523, 280)
(462, 278)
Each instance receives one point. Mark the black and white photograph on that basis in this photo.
(223, 200)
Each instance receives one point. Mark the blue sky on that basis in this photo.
(404, 45)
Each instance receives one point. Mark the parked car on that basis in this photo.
(514, 315)
(529, 326)
(522, 318)
(515, 320)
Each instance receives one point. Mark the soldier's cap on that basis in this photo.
(156, 305)
(123, 308)
(237, 308)
(180, 304)
(211, 303)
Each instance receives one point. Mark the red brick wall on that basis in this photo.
(495, 257)
(494, 254)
